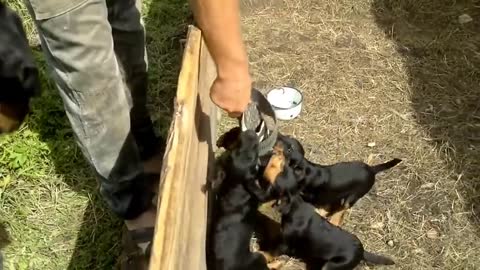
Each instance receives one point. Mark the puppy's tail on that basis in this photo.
(385, 166)
(377, 259)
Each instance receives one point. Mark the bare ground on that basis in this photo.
(405, 76)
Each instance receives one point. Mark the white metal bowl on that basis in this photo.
(286, 102)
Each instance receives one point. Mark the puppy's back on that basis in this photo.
(326, 241)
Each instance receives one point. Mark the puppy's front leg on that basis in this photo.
(276, 265)
(268, 257)
(214, 183)
(260, 194)
(322, 212)
(337, 217)
(269, 234)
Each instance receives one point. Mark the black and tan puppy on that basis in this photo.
(336, 188)
(292, 148)
(272, 163)
(307, 235)
(332, 188)
(282, 182)
(320, 244)
(19, 78)
(237, 208)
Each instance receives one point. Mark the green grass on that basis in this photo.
(51, 216)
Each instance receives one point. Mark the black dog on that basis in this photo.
(19, 77)
(317, 242)
(237, 210)
(333, 188)
(338, 187)
(292, 148)
(307, 235)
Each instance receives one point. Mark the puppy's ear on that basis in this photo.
(229, 139)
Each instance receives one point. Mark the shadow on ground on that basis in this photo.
(441, 56)
(98, 240)
(4, 240)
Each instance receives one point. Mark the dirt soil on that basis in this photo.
(384, 79)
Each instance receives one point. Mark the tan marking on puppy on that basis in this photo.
(337, 217)
(276, 265)
(8, 124)
(11, 117)
(322, 212)
(275, 164)
(268, 257)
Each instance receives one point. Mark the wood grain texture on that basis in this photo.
(180, 232)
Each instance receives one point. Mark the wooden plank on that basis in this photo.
(208, 126)
(180, 232)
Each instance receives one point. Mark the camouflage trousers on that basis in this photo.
(95, 51)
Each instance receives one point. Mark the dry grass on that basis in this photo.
(405, 75)
(51, 214)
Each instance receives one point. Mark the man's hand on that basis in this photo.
(219, 21)
(232, 92)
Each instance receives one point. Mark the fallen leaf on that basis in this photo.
(418, 251)
(464, 18)
(427, 185)
(377, 225)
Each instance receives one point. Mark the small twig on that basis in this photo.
(398, 114)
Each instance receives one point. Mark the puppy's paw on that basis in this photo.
(206, 187)
(274, 167)
(322, 212)
(277, 264)
(215, 182)
(268, 257)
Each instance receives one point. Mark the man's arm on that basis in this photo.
(219, 21)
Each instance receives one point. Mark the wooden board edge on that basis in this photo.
(207, 75)
(163, 232)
